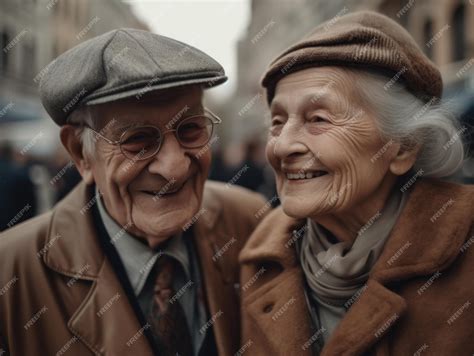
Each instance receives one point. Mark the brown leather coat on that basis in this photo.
(60, 295)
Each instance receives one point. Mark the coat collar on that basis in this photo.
(217, 274)
(439, 240)
(75, 251)
(426, 238)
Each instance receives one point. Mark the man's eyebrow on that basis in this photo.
(122, 126)
(193, 110)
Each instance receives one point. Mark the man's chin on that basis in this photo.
(154, 238)
(161, 228)
(155, 241)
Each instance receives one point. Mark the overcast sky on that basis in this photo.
(213, 26)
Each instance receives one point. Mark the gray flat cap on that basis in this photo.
(120, 64)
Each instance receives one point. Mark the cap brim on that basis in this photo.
(138, 92)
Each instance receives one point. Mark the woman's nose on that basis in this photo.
(290, 141)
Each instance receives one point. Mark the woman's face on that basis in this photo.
(324, 146)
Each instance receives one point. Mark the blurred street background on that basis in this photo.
(243, 35)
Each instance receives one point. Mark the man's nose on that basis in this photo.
(172, 160)
(290, 141)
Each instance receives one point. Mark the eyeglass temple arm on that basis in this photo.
(214, 116)
(101, 136)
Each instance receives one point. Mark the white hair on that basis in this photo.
(78, 117)
(403, 117)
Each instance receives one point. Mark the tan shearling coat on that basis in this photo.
(417, 301)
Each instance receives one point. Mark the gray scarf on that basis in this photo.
(336, 271)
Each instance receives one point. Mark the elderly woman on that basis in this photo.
(370, 252)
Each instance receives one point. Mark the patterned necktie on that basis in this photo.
(167, 317)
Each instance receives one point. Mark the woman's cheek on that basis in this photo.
(270, 153)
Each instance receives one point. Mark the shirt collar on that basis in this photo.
(137, 257)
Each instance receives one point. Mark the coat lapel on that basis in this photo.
(419, 245)
(367, 321)
(426, 238)
(279, 308)
(77, 254)
(218, 276)
(105, 321)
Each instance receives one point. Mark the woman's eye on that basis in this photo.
(276, 126)
(317, 118)
(276, 121)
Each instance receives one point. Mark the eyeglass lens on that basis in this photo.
(143, 142)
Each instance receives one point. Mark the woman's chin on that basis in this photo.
(295, 209)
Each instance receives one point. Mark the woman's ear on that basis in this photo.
(73, 145)
(404, 160)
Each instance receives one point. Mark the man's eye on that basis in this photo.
(138, 136)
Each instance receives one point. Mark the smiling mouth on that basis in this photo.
(305, 175)
(163, 192)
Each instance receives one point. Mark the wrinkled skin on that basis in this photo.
(128, 185)
(319, 123)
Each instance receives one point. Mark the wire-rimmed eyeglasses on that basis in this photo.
(140, 143)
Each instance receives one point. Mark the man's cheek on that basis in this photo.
(124, 172)
(204, 164)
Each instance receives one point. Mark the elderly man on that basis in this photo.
(141, 258)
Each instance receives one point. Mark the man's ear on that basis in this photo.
(73, 145)
(405, 159)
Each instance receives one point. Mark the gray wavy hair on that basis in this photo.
(406, 119)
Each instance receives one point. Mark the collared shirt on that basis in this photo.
(139, 259)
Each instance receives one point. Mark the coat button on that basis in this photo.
(268, 308)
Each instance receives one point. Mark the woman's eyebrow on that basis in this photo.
(320, 98)
(275, 105)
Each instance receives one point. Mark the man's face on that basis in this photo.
(154, 198)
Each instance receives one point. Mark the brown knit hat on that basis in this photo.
(361, 39)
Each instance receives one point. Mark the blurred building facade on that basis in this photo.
(444, 29)
(32, 34)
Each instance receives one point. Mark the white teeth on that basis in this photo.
(302, 175)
